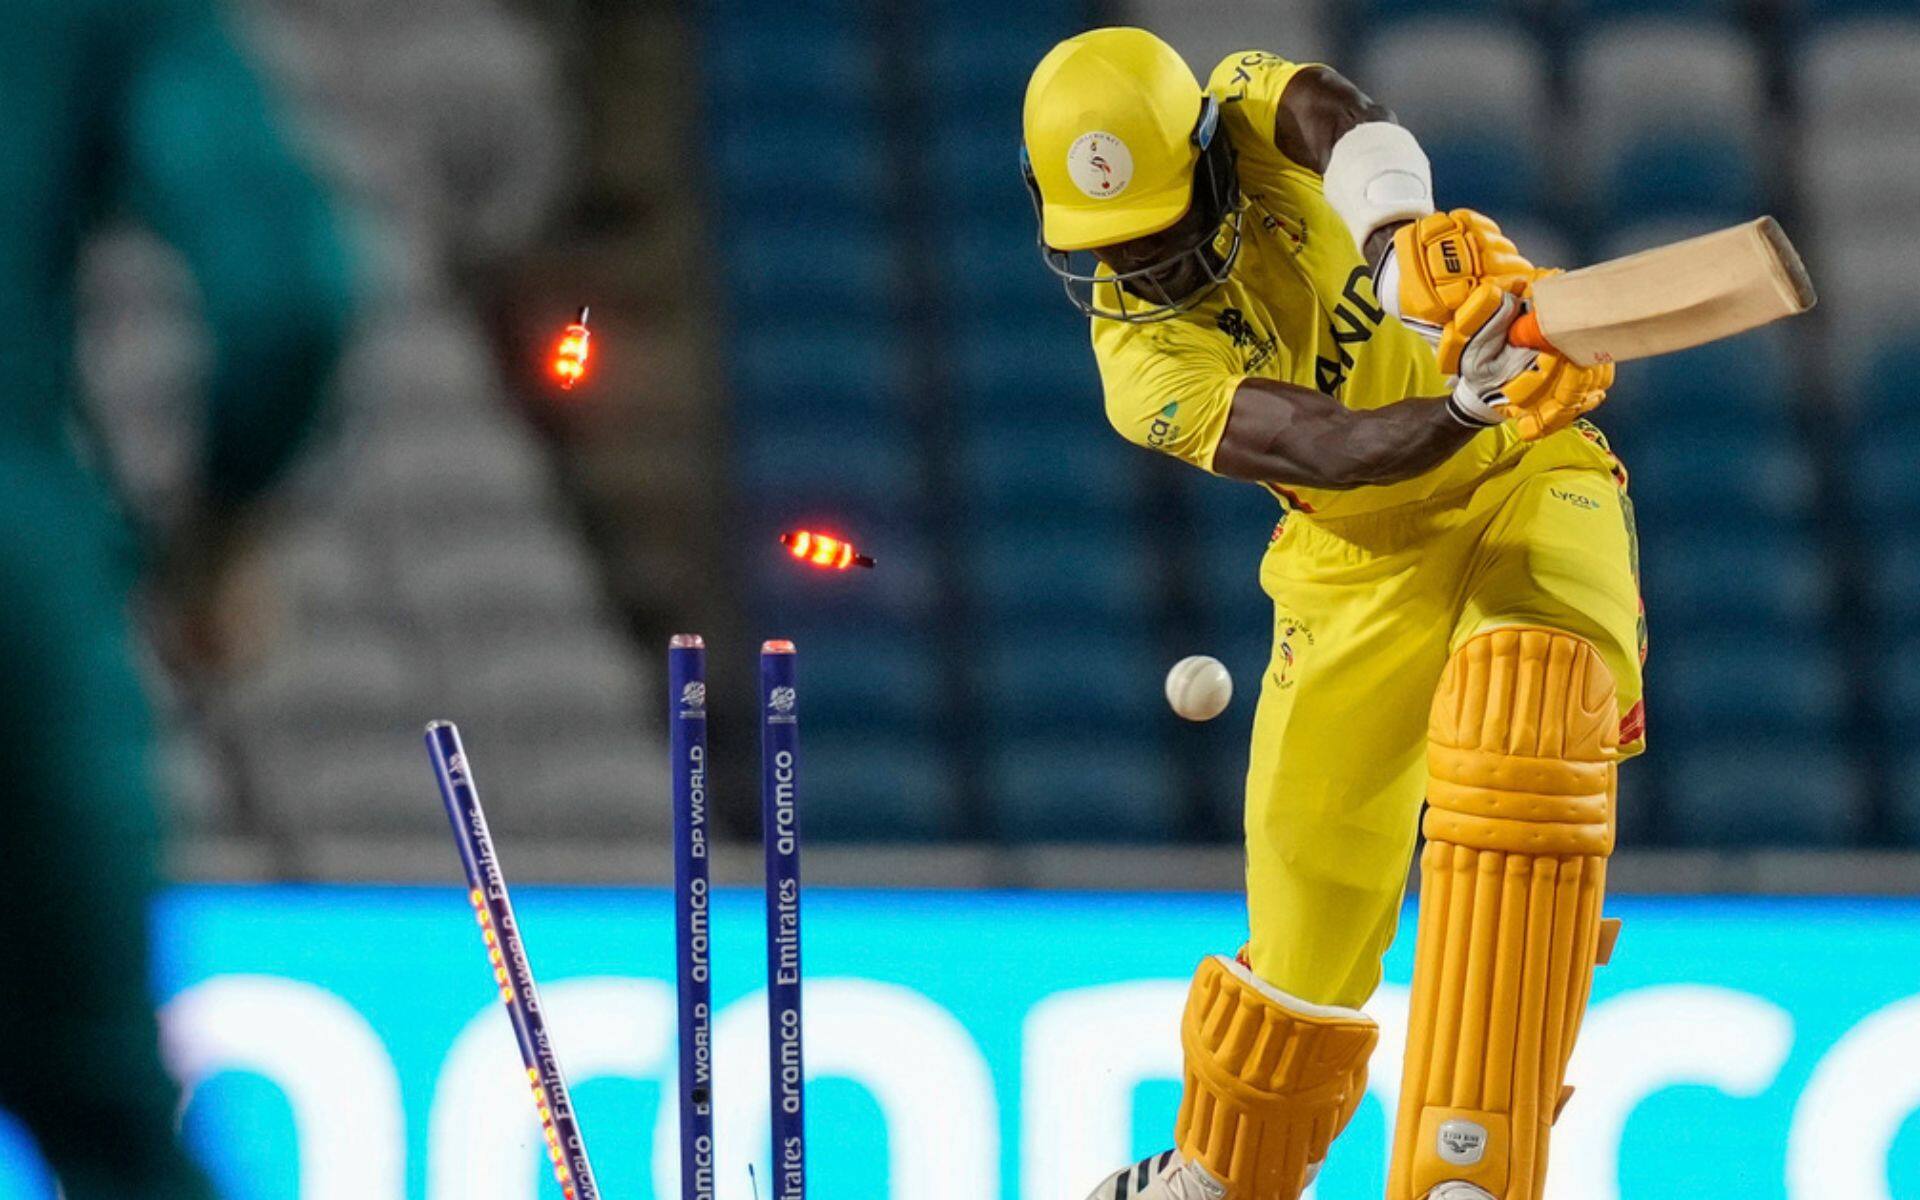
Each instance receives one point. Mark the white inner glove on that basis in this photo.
(1486, 364)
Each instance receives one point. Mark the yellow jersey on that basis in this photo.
(1298, 307)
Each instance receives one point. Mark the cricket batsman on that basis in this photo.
(1275, 299)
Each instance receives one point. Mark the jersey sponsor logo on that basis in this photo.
(1245, 337)
(1100, 165)
(1567, 495)
(1162, 429)
(1351, 323)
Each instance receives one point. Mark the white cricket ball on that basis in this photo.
(1199, 687)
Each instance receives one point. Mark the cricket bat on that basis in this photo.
(1668, 298)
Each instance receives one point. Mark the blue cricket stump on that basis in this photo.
(687, 732)
(487, 888)
(780, 833)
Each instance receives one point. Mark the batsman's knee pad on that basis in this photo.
(1523, 742)
(1270, 1081)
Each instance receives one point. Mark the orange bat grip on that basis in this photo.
(1525, 331)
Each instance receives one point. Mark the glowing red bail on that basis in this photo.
(823, 550)
(570, 357)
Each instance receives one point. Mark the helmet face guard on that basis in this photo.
(1136, 297)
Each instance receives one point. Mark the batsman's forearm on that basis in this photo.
(1327, 446)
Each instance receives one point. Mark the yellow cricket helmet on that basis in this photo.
(1121, 142)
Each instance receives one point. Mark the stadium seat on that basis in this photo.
(1728, 387)
(1487, 174)
(325, 574)
(1896, 686)
(1083, 790)
(334, 678)
(1666, 77)
(776, 270)
(1730, 686)
(1838, 10)
(368, 784)
(490, 578)
(1651, 73)
(1232, 508)
(1059, 677)
(1906, 794)
(1768, 583)
(840, 12)
(1881, 394)
(773, 60)
(1544, 244)
(1859, 75)
(585, 786)
(1011, 369)
(806, 365)
(975, 162)
(477, 469)
(1374, 14)
(1885, 481)
(1893, 574)
(1862, 180)
(1698, 175)
(802, 165)
(1077, 570)
(854, 467)
(864, 786)
(1585, 12)
(1061, 469)
(1866, 286)
(1227, 586)
(1452, 75)
(878, 681)
(1224, 777)
(1207, 33)
(980, 55)
(1766, 793)
(195, 784)
(553, 684)
(1733, 479)
(991, 267)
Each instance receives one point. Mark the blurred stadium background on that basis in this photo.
(818, 304)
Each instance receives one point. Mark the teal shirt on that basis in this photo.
(146, 107)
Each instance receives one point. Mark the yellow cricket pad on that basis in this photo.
(1270, 1080)
(1523, 743)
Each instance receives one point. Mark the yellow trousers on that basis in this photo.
(1367, 610)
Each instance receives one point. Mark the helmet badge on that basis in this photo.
(1100, 165)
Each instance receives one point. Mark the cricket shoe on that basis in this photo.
(1164, 1176)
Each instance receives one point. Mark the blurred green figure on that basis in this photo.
(142, 107)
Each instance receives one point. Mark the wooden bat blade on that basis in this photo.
(1670, 297)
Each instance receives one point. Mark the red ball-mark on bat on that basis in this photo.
(823, 550)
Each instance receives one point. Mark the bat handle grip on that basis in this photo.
(1525, 331)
